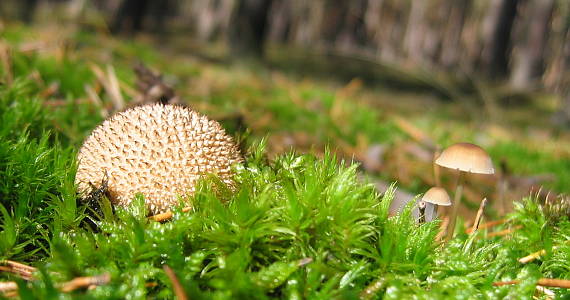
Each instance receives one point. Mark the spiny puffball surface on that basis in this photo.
(157, 150)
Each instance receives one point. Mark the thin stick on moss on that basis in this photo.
(372, 289)
(532, 256)
(488, 225)
(9, 289)
(178, 289)
(167, 215)
(559, 283)
(549, 293)
(442, 229)
(21, 270)
(479, 215)
(503, 232)
(415, 133)
(85, 282)
(535, 255)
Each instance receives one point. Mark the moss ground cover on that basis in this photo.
(299, 226)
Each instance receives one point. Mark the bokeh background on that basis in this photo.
(523, 44)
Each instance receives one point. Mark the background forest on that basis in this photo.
(523, 44)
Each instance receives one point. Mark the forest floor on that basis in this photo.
(301, 235)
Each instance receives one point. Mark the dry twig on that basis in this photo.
(372, 289)
(111, 84)
(488, 225)
(94, 98)
(178, 289)
(10, 288)
(442, 229)
(504, 232)
(479, 215)
(167, 215)
(549, 293)
(532, 256)
(21, 270)
(114, 88)
(559, 283)
(535, 255)
(85, 282)
(50, 90)
(415, 133)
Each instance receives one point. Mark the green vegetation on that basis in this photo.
(299, 225)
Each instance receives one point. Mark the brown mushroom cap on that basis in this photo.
(438, 196)
(466, 157)
(157, 150)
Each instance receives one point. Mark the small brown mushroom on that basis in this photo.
(434, 197)
(464, 157)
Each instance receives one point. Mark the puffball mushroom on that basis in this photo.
(433, 197)
(464, 157)
(157, 150)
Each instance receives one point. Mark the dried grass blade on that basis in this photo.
(479, 215)
(167, 215)
(178, 289)
(21, 270)
(85, 282)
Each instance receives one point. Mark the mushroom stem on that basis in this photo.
(431, 211)
(456, 203)
(436, 172)
(422, 212)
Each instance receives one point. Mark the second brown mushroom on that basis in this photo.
(431, 199)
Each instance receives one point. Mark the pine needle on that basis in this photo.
(178, 289)
(558, 283)
(167, 215)
(21, 270)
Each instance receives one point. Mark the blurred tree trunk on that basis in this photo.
(352, 32)
(306, 20)
(281, 19)
(451, 47)
(160, 11)
(393, 48)
(497, 28)
(28, 10)
(563, 86)
(249, 26)
(529, 62)
(373, 22)
(415, 30)
(204, 13)
(211, 17)
(436, 34)
(130, 16)
(336, 14)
